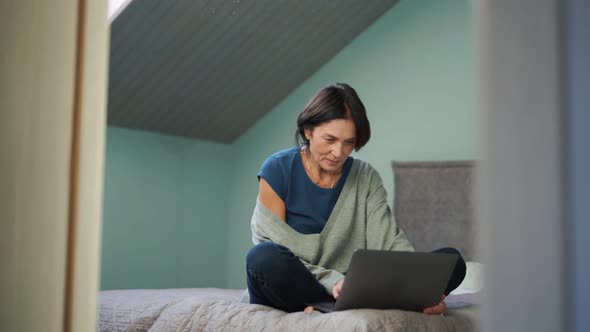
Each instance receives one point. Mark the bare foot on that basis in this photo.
(308, 309)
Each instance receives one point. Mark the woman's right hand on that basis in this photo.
(337, 288)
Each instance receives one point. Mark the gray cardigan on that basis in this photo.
(361, 218)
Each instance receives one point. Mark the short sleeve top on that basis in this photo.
(308, 206)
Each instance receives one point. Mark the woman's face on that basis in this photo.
(331, 143)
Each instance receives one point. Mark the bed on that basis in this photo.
(432, 196)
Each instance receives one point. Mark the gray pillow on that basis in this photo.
(433, 204)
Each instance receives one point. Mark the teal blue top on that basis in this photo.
(308, 206)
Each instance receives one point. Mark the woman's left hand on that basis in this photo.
(438, 309)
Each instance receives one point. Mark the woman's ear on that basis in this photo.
(307, 132)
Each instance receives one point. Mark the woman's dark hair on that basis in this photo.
(338, 101)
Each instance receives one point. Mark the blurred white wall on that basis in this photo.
(52, 121)
(521, 208)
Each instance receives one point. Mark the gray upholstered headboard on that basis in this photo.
(433, 204)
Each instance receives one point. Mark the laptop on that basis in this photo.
(378, 279)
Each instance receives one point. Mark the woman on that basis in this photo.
(316, 205)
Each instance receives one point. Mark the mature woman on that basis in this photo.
(316, 205)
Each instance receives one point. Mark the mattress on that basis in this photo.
(212, 309)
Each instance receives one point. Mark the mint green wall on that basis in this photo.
(177, 211)
(413, 69)
(165, 211)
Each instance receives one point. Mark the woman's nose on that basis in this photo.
(338, 150)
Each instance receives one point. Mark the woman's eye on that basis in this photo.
(330, 139)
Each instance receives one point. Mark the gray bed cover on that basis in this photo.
(211, 309)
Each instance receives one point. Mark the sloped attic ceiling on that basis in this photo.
(211, 69)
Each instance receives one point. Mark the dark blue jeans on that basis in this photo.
(277, 278)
